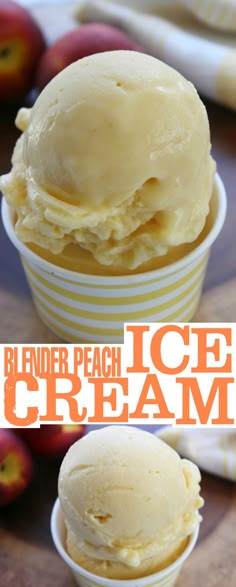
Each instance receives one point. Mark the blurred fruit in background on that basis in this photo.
(16, 466)
(21, 46)
(85, 40)
(52, 440)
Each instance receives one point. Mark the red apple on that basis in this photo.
(16, 466)
(21, 45)
(82, 41)
(52, 440)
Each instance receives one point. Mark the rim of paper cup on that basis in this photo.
(33, 258)
(55, 516)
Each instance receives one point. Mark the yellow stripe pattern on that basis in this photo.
(86, 312)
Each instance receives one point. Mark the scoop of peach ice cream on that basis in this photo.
(114, 156)
(129, 502)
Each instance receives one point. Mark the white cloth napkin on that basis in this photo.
(212, 450)
(169, 31)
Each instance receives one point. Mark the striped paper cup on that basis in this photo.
(165, 578)
(93, 309)
(219, 14)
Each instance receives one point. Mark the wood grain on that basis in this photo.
(212, 561)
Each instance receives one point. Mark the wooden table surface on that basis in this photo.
(27, 555)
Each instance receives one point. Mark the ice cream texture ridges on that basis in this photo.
(129, 502)
(115, 157)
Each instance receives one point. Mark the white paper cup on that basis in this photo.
(165, 578)
(219, 14)
(93, 309)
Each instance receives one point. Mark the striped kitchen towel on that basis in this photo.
(169, 31)
(219, 14)
(213, 451)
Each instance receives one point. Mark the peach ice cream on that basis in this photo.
(130, 502)
(114, 158)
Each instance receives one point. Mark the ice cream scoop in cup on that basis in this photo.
(113, 187)
(103, 538)
(80, 307)
(165, 578)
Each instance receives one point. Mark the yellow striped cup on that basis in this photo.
(93, 309)
(219, 14)
(165, 578)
